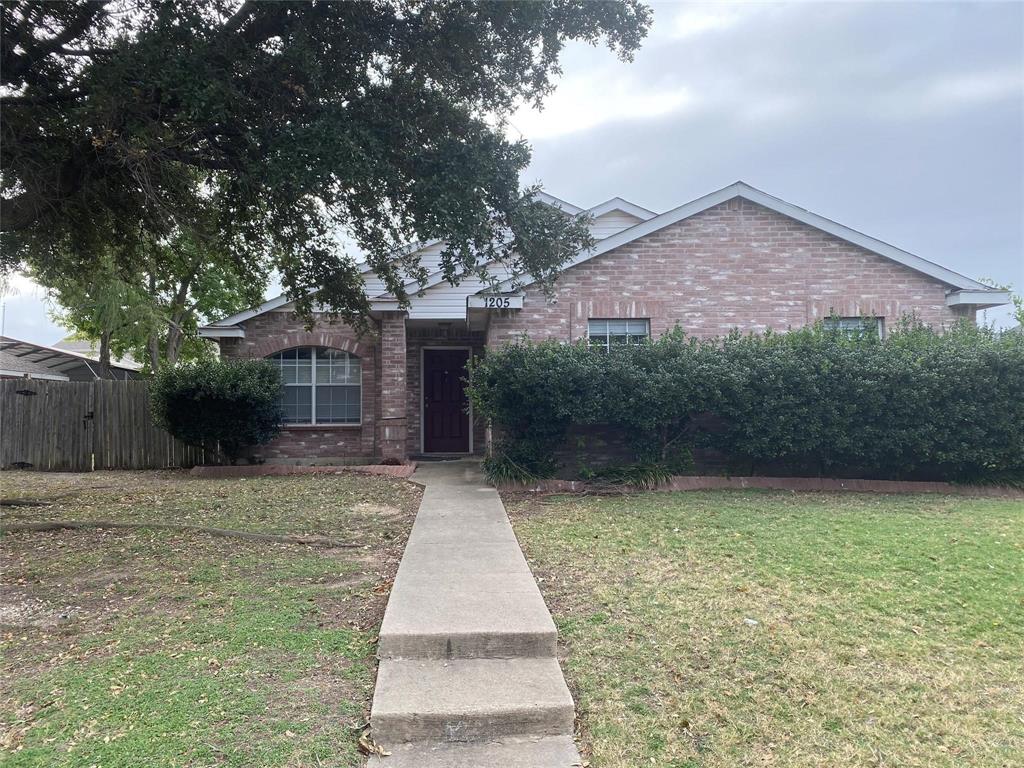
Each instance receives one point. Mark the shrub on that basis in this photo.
(212, 404)
(533, 392)
(918, 405)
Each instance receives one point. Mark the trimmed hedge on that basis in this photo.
(210, 403)
(918, 405)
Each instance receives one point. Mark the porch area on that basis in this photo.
(439, 419)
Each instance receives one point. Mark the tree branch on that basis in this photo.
(17, 65)
(246, 10)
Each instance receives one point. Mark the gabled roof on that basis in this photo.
(615, 204)
(740, 189)
(618, 204)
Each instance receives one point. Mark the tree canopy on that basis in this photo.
(131, 123)
(152, 306)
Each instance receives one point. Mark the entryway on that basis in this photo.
(447, 427)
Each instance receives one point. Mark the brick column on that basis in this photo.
(392, 428)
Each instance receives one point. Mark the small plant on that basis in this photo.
(225, 406)
(500, 469)
(647, 476)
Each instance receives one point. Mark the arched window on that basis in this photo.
(321, 386)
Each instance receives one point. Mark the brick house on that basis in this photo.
(736, 258)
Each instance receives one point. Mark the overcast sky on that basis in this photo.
(902, 120)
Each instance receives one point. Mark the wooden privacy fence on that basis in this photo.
(81, 426)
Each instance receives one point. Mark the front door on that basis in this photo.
(445, 407)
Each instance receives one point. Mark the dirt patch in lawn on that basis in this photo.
(148, 647)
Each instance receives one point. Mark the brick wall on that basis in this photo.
(737, 265)
(275, 331)
(393, 428)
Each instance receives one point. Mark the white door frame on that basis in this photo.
(469, 351)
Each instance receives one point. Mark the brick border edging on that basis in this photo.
(713, 482)
(403, 471)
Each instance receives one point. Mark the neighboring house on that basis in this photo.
(24, 359)
(91, 350)
(737, 258)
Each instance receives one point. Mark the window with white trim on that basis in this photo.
(856, 326)
(321, 386)
(605, 333)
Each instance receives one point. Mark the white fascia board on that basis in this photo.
(557, 202)
(221, 332)
(983, 299)
(618, 204)
(740, 189)
(267, 306)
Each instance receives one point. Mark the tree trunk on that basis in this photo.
(104, 364)
(153, 339)
(175, 334)
(153, 348)
(174, 338)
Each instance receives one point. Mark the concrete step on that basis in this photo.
(469, 700)
(545, 752)
(456, 616)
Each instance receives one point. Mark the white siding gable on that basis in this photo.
(612, 223)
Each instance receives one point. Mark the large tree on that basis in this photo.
(152, 306)
(131, 122)
(103, 307)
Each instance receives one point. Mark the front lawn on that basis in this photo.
(739, 628)
(143, 647)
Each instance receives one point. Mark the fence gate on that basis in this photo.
(46, 425)
(79, 426)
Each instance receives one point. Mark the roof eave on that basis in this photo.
(977, 299)
(221, 332)
(13, 374)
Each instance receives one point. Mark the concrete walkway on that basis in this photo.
(468, 676)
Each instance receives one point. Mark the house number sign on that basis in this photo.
(510, 301)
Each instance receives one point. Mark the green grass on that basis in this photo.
(151, 648)
(889, 629)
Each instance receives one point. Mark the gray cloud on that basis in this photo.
(903, 120)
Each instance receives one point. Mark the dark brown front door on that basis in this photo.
(445, 408)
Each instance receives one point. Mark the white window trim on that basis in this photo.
(879, 323)
(607, 339)
(313, 385)
(423, 438)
